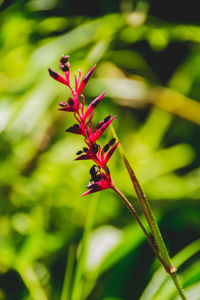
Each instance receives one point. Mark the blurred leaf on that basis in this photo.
(160, 279)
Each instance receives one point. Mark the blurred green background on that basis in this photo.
(53, 243)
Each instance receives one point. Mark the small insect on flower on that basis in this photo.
(100, 173)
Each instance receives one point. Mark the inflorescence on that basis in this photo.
(100, 173)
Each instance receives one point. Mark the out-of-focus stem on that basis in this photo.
(147, 211)
(32, 282)
(150, 218)
(178, 285)
(169, 270)
(134, 213)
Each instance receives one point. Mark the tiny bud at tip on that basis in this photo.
(64, 59)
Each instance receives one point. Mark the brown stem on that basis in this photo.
(134, 213)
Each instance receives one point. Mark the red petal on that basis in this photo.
(91, 191)
(83, 157)
(57, 77)
(85, 80)
(75, 98)
(110, 153)
(67, 108)
(74, 129)
(92, 105)
(99, 132)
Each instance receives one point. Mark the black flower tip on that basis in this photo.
(97, 178)
(95, 148)
(53, 74)
(71, 102)
(87, 76)
(92, 185)
(95, 102)
(74, 129)
(79, 152)
(99, 125)
(94, 170)
(85, 149)
(106, 147)
(112, 142)
(64, 59)
(65, 67)
(107, 119)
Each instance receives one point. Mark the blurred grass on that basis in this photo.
(150, 68)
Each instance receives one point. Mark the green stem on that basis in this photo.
(32, 282)
(172, 270)
(168, 265)
(78, 288)
(134, 213)
(150, 218)
(176, 281)
(67, 285)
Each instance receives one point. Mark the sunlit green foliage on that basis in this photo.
(53, 243)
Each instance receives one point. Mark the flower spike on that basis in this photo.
(104, 182)
(100, 178)
(100, 173)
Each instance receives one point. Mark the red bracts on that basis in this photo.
(100, 174)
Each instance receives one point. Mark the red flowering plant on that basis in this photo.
(100, 173)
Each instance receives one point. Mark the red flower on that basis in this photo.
(98, 182)
(100, 179)
(84, 80)
(100, 156)
(65, 67)
(100, 128)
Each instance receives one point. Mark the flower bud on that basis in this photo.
(95, 148)
(106, 147)
(107, 118)
(64, 59)
(74, 129)
(71, 101)
(79, 152)
(112, 141)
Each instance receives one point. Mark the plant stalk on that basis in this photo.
(177, 283)
(171, 271)
(134, 213)
(150, 219)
